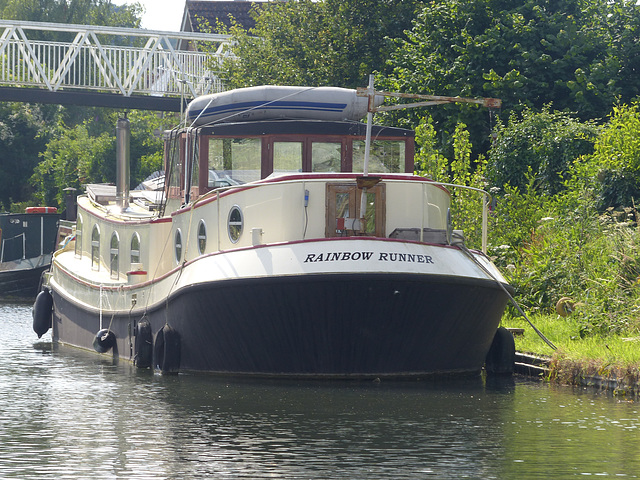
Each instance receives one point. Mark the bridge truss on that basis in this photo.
(123, 61)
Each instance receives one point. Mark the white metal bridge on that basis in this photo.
(106, 66)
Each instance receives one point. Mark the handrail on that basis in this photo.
(102, 58)
(485, 208)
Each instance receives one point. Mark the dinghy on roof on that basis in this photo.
(278, 102)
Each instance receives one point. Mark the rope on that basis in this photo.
(464, 249)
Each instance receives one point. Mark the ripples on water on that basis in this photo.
(66, 414)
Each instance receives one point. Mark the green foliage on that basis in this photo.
(466, 204)
(615, 162)
(24, 132)
(81, 12)
(315, 43)
(564, 248)
(577, 55)
(85, 154)
(545, 143)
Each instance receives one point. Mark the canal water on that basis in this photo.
(66, 414)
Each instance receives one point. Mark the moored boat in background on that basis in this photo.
(27, 242)
(294, 247)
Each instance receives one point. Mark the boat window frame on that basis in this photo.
(308, 139)
(95, 247)
(354, 197)
(133, 251)
(78, 245)
(114, 257)
(232, 236)
(202, 237)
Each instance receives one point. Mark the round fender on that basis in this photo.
(501, 358)
(104, 341)
(42, 313)
(166, 350)
(144, 345)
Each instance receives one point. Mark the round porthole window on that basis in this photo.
(178, 245)
(235, 223)
(202, 237)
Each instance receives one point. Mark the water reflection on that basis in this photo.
(68, 414)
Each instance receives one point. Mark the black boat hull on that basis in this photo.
(336, 325)
(21, 284)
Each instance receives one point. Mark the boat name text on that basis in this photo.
(382, 257)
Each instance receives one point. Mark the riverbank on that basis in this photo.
(610, 363)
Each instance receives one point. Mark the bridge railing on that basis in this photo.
(117, 60)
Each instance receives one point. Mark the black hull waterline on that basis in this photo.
(338, 325)
(24, 283)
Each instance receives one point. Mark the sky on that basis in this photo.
(159, 14)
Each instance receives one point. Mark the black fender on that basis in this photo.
(42, 313)
(144, 345)
(501, 357)
(104, 340)
(166, 350)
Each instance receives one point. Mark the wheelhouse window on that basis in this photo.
(386, 156)
(95, 248)
(202, 237)
(135, 248)
(78, 247)
(235, 160)
(326, 156)
(235, 224)
(178, 246)
(114, 255)
(287, 156)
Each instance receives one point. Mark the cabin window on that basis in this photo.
(135, 248)
(237, 160)
(202, 237)
(235, 224)
(386, 156)
(326, 156)
(114, 254)
(178, 246)
(287, 156)
(78, 248)
(95, 248)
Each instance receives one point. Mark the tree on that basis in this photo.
(25, 129)
(316, 43)
(24, 132)
(81, 12)
(537, 150)
(86, 153)
(576, 55)
(612, 171)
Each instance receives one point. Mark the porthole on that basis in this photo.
(202, 237)
(178, 246)
(235, 224)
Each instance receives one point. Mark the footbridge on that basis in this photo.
(107, 66)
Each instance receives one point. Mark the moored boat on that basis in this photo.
(27, 242)
(277, 247)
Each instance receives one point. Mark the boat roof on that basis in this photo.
(301, 127)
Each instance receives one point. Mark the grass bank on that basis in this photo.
(577, 359)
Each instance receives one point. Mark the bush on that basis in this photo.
(545, 143)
